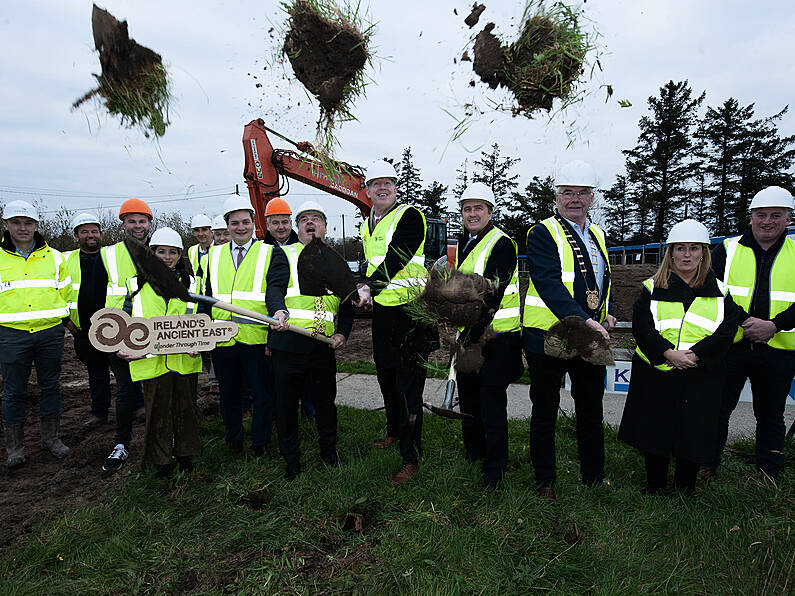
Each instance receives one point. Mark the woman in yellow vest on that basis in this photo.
(487, 251)
(169, 381)
(683, 322)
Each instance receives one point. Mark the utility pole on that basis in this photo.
(343, 237)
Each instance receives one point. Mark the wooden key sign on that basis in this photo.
(113, 330)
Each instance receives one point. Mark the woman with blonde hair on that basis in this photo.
(683, 321)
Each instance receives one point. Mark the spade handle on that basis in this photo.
(252, 314)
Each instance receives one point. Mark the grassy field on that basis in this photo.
(235, 526)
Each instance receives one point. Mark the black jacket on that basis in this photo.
(759, 306)
(277, 279)
(676, 412)
(291, 239)
(545, 272)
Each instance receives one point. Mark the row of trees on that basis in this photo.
(684, 165)
(706, 167)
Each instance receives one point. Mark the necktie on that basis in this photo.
(240, 250)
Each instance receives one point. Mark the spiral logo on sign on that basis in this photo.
(113, 330)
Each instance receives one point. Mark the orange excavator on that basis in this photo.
(268, 172)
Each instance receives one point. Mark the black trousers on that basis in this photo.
(128, 395)
(400, 350)
(313, 373)
(98, 366)
(771, 373)
(685, 473)
(587, 389)
(486, 433)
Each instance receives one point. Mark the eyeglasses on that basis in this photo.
(580, 193)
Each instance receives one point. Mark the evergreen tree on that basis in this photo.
(620, 211)
(495, 172)
(409, 182)
(525, 209)
(432, 200)
(661, 161)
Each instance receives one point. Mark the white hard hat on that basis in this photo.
(689, 230)
(218, 223)
(84, 218)
(773, 196)
(380, 169)
(236, 203)
(200, 221)
(576, 173)
(166, 237)
(477, 190)
(20, 209)
(309, 206)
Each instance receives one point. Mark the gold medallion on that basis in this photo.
(592, 299)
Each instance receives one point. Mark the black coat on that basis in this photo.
(676, 412)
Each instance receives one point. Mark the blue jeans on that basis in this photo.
(20, 350)
(128, 395)
(232, 364)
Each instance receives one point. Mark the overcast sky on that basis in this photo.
(214, 50)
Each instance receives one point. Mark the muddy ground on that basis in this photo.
(45, 486)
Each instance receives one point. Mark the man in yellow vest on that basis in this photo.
(237, 273)
(759, 269)
(569, 276)
(89, 290)
(301, 363)
(136, 222)
(487, 251)
(34, 288)
(200, 227)
(394, 239)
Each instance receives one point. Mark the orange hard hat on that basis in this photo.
(134, 206)
(277, 207)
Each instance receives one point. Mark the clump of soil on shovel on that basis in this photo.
(328, 52)
(453, 299)
(134, 82)
(542, 65)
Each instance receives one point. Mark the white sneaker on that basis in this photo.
(116, 459)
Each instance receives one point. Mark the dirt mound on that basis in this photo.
(133, 83)
(542, 65)
(453, 299)
(626, 284)
(326, 54)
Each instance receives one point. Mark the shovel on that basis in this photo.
(449, 393)
(166, 284)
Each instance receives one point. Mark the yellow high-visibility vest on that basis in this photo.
(407, 283)
(740, 277)
(507, 316)
(72, 260)
(315, 313)
(147, 303)
(244, 286)
(685, 328)
(536, 312)
(34, 292)
(120, 267)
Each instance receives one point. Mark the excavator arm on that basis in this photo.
(267, 172)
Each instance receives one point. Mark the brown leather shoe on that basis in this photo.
(406, 471)
(547, 493)
(385, 442)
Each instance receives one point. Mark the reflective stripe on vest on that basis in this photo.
(244, 286)
(507, 316)
(536, 312)
(308, 312)
(147, 303)
(72, 260)
(684, 329)
(739, 275)
(409, 281)
(120, 267)
(34, 292)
